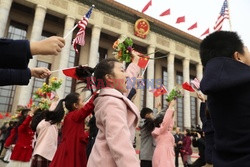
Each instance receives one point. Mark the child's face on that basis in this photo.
(80, 103)
(119, 78)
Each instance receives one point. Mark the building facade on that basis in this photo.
(36, 20)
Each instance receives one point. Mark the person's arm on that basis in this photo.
(168, 117)
(21, 76)
(14, 53)
(86, 110)
(14, 76)
(49, 46)
(26, 123)
(114, 118)
(202, 112)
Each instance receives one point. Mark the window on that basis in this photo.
(193, 108)
(70, 83)
(46, 34)
(179, 78)
(38, 83)
(165, 83)
(102, 53)
(180, 113)
(15, 31)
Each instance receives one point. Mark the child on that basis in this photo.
(164, 151)
(116, 118)
(147, 141)
(47, 137)
(72, 149)
(22, 151)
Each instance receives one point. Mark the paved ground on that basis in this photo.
(2, 164)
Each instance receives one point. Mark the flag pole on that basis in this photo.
(230, 25)
(70, 31)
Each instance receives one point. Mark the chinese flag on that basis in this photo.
(193, 26)
(180, 19)
(70, 72)
(187, 87)
(143, 62)
(147, 6)
(7, 114)
(206, 32)
(159, 91)
(1, 116)
(167, 12)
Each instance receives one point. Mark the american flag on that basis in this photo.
(196, 83)
(224, 14)
(80, 36)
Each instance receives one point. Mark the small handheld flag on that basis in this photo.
(82, 24)
(187, 87)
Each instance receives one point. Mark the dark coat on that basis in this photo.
(208, 129)
(15, 54)
(227, 84)
(14, 59)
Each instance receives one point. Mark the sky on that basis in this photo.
(204, 12)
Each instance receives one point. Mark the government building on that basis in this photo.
(110, 20)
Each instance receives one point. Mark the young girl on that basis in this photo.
(116, 118)
(47, 137)
(164, 151)
(22, 151)
(72, 149)
(186, 150)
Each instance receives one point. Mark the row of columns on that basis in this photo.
(40, 13)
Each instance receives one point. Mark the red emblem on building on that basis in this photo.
(142, 28)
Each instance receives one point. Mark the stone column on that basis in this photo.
(64, 58)
(4, 14)
(25, 91)
(170, 71)
(199, 73)
(94, 45)
(186, 78)
(150, 78)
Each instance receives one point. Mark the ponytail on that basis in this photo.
(57, 115)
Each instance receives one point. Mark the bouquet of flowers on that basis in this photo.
(174, 94)
(122, 49)
(47, 93)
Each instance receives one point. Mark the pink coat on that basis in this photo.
(164, 155)
(116, 118)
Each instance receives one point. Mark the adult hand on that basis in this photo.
(200, 96)
(40, 72)
(49, 46)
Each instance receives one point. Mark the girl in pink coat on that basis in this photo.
(116, 118)
(164, 155)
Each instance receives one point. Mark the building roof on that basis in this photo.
(126, 13)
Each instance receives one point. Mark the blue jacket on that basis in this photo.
(227, 84)
(14, 59)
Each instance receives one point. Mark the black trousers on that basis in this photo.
(198, 163)
(177, 152)
(145, 163)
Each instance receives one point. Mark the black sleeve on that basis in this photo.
(14, 54)
(195, 142)
(202, 112)
(131, 93)
(14, 76)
